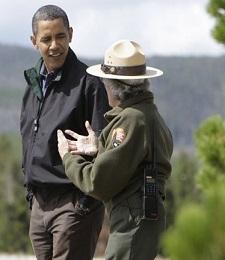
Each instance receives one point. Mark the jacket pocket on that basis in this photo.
(134, 204)
(127, 214)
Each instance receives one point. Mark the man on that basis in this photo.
(64, 223)
(132, 162)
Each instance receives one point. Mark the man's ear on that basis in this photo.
(70, 34)
(33, 40)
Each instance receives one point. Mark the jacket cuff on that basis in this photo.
(65, 157)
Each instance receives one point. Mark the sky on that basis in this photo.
(161, 27)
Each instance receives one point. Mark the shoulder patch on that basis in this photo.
(118, 136)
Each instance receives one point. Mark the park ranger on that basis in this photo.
(131, 158)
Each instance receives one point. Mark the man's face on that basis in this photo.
(52, 40)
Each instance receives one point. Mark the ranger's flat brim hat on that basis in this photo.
(124, 60)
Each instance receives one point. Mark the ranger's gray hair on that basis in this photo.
(48, 13)
(125, 89)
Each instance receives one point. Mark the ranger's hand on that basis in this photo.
(87, 145)
(63, 146)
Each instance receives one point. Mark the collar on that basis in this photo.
(32, 76)
(129, 103)
(44, 73)
(138, 99)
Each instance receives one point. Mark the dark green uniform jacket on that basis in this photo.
(125, 144)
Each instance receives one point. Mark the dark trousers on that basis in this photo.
(132, 238)
(58, 232)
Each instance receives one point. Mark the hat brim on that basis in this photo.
(151, 72)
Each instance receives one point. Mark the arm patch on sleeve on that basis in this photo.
(118, 136)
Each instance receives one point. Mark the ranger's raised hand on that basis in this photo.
(63, 146)
(87, 145)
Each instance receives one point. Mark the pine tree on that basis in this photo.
(216, 8)
(198, 232)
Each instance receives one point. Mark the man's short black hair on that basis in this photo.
(48, 13)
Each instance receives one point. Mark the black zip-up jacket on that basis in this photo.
(73, 97)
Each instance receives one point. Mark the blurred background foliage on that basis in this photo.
(13, 208)
(198, 229)
(216, 8)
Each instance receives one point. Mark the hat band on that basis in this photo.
(122, 70)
